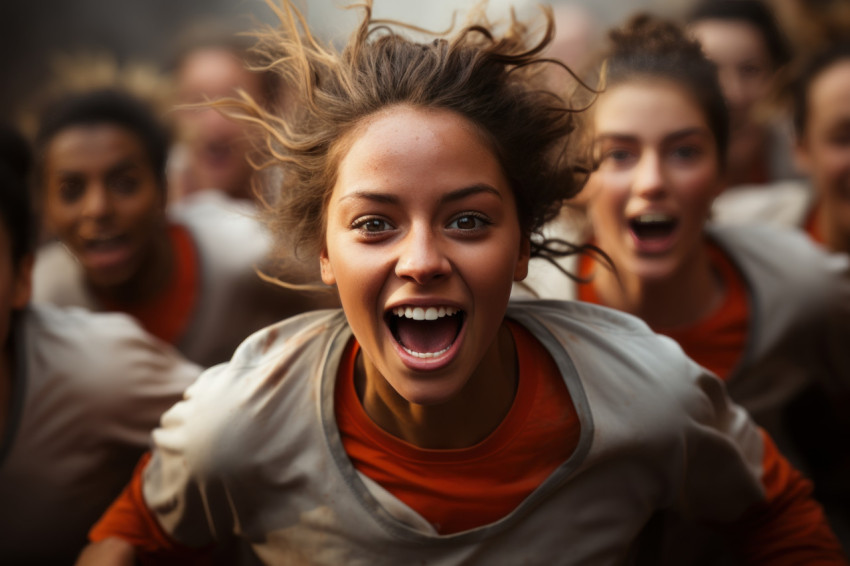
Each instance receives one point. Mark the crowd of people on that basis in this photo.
(494, 296)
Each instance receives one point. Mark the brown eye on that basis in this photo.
(468, 222)
(70, 190)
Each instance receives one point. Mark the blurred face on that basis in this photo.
(102, 200)
(423, 244)
(657, 176)
(743, 62)
(824, 148)
(217, 145)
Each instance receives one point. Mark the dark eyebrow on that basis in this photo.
(458, 194)
(123, 165)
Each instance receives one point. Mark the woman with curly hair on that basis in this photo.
(429, 421)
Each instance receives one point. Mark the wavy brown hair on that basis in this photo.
(493, 80)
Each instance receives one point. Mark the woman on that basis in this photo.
(821, 205)
(744, 40)
(765, 310)
(428, 421)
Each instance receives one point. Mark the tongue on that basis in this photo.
(426, 336)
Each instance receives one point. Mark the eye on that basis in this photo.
(70, 190)
(618, 156)
(371, 225)
(469, 221)
(124, 184)
(686, 152)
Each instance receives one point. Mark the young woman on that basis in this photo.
(79, 395)
(765, 310)
(188, 278)
(821, 205)
(429, 421)
(744, 40)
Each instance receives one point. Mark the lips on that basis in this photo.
(105, 252)
(425, 332)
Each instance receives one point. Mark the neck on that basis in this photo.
(152, 277)
(682, 299)
(463, 421)
(835, 236)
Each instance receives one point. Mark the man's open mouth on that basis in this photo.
(425, 332)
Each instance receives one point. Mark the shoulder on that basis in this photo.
(268, 386)
(782, 258)
(57, 276)
(599, 336)
(100, 348)
(784, 203)
(224, 228)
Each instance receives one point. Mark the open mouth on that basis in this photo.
(653, 226)
(425, 332)
(104, 243)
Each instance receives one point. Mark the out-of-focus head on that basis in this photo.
(646, 49)
(101, 175)
(17, 226)
(659, 134)
(212, 66)
(744, 40)
(822, 123)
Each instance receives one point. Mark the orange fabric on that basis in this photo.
(167, 315)
(461, 489)
(717, 341)
(789, 527)
(129, 519)
(812, 225)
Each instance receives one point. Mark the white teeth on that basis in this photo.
(419, 313)
(425, 354)
(654, 217)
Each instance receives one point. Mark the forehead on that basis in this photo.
(645, 108)
(214, 71)
(730, 40)
(411, 149)
(93, 146)
(829, 92)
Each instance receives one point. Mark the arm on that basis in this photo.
(108, 552)
(129, 529)
(738, 480)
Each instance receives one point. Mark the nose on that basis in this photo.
(649, 176)
(96, 202)
(421, 258)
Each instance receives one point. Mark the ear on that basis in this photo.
(325, 266)
(22, 286)
(521, 269)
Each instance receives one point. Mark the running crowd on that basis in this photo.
(517, 293)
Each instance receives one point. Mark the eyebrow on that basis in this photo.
(119, 167)
(672, 137)
(458, 194)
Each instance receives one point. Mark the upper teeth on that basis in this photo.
(654, 217)
(419, 313)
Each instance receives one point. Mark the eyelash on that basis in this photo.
(360, 225)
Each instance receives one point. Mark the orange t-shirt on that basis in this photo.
(461, 489)
(717, 341)
(167, 315)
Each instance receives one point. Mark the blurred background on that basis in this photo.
(36, 34)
